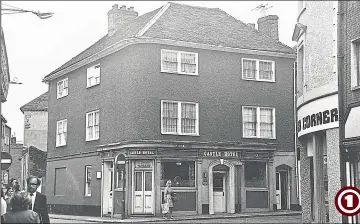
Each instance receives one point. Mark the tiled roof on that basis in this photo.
(193, 24)
(38, 104)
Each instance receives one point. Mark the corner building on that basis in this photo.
(317, 110)
(152, 101)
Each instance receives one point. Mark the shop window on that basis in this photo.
(255, 174)
(181, 174)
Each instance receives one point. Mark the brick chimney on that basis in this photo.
(269, 26)
(13, 140)
(252, 25)
(119, 16)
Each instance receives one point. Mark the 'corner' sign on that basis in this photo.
(318, 115)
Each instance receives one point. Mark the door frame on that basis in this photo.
(225, 188)
(230, 205)
(152, 169)
(105, 199)
(288, 192)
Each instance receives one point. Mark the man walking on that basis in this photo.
(39, 202)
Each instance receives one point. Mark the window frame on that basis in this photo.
(173, 185)
(57, 132)
(86, 127)
(355, 64)
(87, 185)
(257, 74)
(94, 67)
(258, 108)
(66, 80)
(267, 176)
(178, 67)
(178, 131)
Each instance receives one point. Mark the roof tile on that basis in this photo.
(38, 104)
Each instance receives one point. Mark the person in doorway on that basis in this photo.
(168, 197)
(20, 212)
(39, 201)
(3, 206)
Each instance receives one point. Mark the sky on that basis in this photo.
(36, 47)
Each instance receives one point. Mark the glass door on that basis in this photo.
(143, 192)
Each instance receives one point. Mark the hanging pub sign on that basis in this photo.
(142, 152)
(228, 154)
(318, 115)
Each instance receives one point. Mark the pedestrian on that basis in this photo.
(168, 199)
(39, 202)
(20, 210)
(3, 206)
(9, 194)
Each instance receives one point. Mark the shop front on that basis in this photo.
(206, 181)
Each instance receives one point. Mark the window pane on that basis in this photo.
(249, 69)
(188, 62)
(181, 174)
(90, 120)
(170, 116)
(249, 116)
(265, 70)
(169, 61)
(138, 181)
(255, 174)
(188, 118)
(266, 123)
(148, 181)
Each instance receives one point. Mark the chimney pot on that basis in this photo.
(123, 7)
(131, 9)
(119, 16)
(269, 26)
(115, 6)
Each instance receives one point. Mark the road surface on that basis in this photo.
(67, 221)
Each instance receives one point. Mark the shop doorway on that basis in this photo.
(283, 187)
(220, 188)
(107, 200)
(143, 185)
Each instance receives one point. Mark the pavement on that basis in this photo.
(176, 218)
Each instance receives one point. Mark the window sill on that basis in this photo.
(87, 87)
(259, 80)
(195, 135)
(58, 146)
(59, 97)
(90, 140)
(87, 196)
(181, 73)
(258, 138)
(355, 88)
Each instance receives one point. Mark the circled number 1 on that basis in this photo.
(350, 200)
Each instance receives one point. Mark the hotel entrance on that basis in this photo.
(143, 187)
(220, 186)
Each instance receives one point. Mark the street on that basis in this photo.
(67, 221)
(268, 219)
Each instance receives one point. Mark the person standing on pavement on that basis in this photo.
(20, 210)
(168, 197)
(3, 206)
(39, 201)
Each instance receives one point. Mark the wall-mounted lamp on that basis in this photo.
(98, 175)
(205, 175)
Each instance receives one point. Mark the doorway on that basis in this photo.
(282, 187)
(220, 191)
(107, 200)
(143, 185)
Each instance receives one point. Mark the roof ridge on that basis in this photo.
(194, 6)
(153, 20)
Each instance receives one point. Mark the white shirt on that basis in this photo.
(33, 200)
(3, 206)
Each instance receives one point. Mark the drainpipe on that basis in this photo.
(342, 153)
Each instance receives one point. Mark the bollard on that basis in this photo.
(122, 209)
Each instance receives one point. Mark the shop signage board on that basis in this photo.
(318, 115)
(142, 152)
(218, 154)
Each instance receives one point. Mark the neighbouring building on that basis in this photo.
(16, 154)
(33, 159)
(317, 110)
(174, 94)
(349, 92)
(5, 146)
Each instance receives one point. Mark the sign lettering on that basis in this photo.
(142, 152)
(317, 119)
(231, 154)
